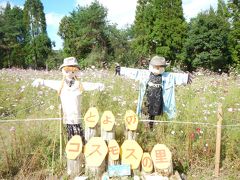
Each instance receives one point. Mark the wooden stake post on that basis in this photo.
(131, 123)
(108, 134)
(162, 160)
(91, 119)
(107, 126)
(132, 155)
(93, 168)
(95, 152)
(218, 139)
(60, 132)
(147, 164)
(74, 156)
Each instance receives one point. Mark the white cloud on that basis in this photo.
(53, 19)
(192, 7)
(4, 3)
(121, 12)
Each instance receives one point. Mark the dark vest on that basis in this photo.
(154, 96)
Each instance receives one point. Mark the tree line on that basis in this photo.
(211, 40)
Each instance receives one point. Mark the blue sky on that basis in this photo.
(121, 12)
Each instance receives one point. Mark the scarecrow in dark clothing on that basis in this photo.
(159, 92)
(153, 100)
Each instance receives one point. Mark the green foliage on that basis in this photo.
(142, 27)
(234, 35)
(12, 37)
(121, 45)
(84, 32)
(159, 28)
(38, 44)
(207, 42)
(55, 59)
(33, 151)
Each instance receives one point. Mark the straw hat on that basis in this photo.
(70, 61)
(158, 61)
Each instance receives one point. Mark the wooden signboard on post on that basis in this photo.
(91, 119)
(107, 121)
(74, 147)
(162, 159)
(113, 150)
(107, 125)
(95, 151)
(131, 153)
(131, 120)
(74, 158)
(131, 123)
(147, 163)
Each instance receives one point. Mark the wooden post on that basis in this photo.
(218, 139)
(91, 120)
(90, 132)
(131, 123)
(131, 135)
(74, 156)
(162, 160)
(95, 152)
(60, 132)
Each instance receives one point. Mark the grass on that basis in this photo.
(30, 149)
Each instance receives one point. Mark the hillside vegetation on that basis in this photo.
(31, 148)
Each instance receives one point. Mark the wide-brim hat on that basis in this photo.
(158, 61)
(70, 61)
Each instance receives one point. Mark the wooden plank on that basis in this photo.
(218, 140)
(162, 160)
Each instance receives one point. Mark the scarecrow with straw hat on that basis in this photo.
(70, 90)
(156, 90)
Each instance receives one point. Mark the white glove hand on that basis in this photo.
(101, 87)
(37, 82)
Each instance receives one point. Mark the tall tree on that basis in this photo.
(234, 35)
(143, 26)
(207, 44)
(12, 37)
(85, 33)
(160, 28)
(169, 28)
(39, 45)
(120, 40)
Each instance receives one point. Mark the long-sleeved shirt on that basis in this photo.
(169, 80)
(71, 98)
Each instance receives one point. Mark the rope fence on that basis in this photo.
(144, 120)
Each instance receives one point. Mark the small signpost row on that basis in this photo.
(103, 150)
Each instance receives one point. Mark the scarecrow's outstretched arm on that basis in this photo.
(87, 86)
(53, 84)
(181, 78)
(136, 74)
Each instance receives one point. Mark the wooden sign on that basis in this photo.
(161, 156)
(131, 153)
(91, 117)
(119, 170)
(147, 163)
(113, 149)
(74, 147)
(131, 120)
(107, 121)
(95, 151)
